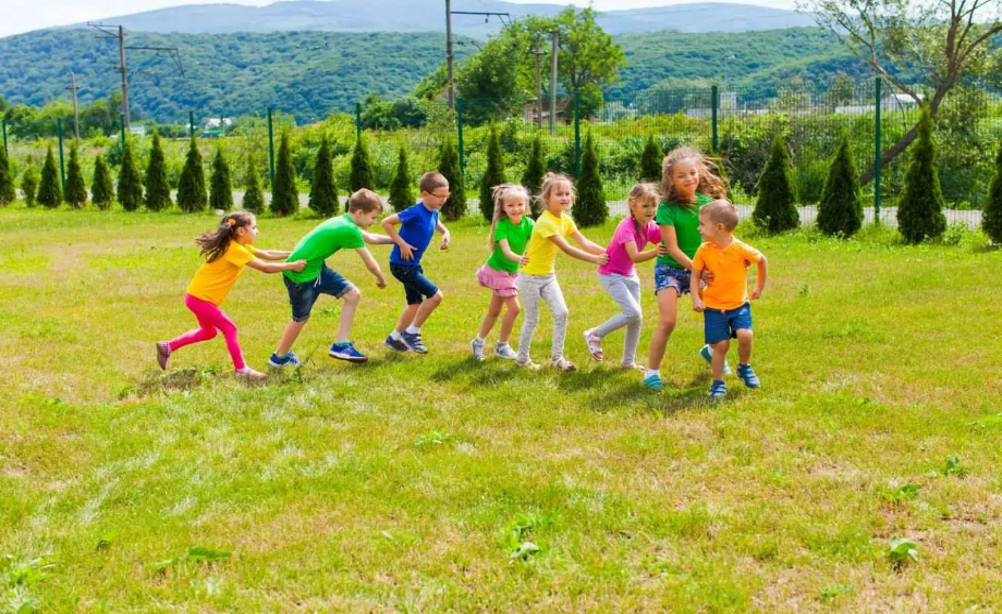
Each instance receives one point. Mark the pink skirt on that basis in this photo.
(501, 282)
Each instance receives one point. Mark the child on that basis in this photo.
(687, 183)
(417, 226)
(510, 233)
(226, 250)
(619, 277)
(305, 286)
(538, 279)
(724, 301)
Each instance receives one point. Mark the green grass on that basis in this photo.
(407, 484)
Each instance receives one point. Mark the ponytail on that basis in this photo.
(214, 243)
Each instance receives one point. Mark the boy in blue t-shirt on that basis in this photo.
(417, 226)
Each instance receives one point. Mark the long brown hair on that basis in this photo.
(710, 183)
(500, 194)
(213, 243)
(642, 192)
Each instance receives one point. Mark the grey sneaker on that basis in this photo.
(163, 353)
(478, 349)
(503, 350)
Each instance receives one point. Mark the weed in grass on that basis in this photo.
(902, 551)
(953, 467)
(833, 592)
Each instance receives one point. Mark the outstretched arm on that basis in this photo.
(638, 256)
(567, 248)
(670, 240)
(276, 267)
(376, 239)
(510, 255)
(589, 246)
(373, 266)
(272, 254)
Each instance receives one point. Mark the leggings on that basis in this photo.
(626, 292)
(531, 288)
(210, 318)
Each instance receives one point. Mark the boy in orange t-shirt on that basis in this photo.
(724, 301)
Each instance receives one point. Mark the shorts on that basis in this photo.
(666, 276)
(501, 282)
(416, 286)
(302, 296)
(721, 324)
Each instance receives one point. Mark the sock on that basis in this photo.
(479, 341)
(413, 330)
(502, 344)
(396, 336)
(650, 372)
(341, 343)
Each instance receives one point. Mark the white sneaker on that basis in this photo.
(528, 364)
(478, 349)
(503, 350)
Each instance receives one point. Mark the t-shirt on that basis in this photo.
(541, 251)
(518, 237)
(417, 226)
(321, 243)
(214, 280)
(729, 289)
(626, 232)
(685, 219)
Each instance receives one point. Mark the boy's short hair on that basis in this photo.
(721, 212)
(432, 181)
(365, 201)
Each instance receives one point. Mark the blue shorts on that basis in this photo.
(666, 276)
(719, 324)
(416, 285)
(302, 296)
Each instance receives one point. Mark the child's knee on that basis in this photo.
(560, 314)
(352, 296)
(210, 333)
(666, 324)
(744, 335)
(514, 310)
(722, 346)
(633, 316)
(437, 298)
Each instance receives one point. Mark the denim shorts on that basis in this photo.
(666, 276)
(720, 324)
(416, 285)
(302, 296)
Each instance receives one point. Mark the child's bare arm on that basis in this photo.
(271, 254)
(446, 237)
(376, 239)
(510, 255)
(389, 225)
(763, 273)
(638, 256)
(373, 266)
(670, 240)
(567, 248)
(697, 299)
(587, 245)
(276, 267)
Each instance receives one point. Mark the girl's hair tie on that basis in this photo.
(231, 222)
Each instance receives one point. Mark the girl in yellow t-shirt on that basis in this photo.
(226, 250)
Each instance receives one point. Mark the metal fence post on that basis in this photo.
(715, 106)
(460, 105)
(3, 123)
(271, 152)
(358, 121)
(577, 135)
(876, 159)
(62, 169)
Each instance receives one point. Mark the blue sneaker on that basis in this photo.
(413, 341)
(395, 344)
(347, 351)
(748, 376)
(708, 357)
(288, 360)
(654, 383)
(718, 389)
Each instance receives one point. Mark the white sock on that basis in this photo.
(479, 341)
(413, 330)
(396, 336)
(650, 372)
(502, 344)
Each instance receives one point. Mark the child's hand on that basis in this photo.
(707, 276)
(601, 259)
(755, 294)
(661, 250)
(298, 265)
(697, 304)
(381, 282)
(406, 251)
(524, 260)
(446, 240)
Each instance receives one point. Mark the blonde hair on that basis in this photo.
(500, 194)
(721, 211)
(549, 182)
(709, 183)
(642, 193)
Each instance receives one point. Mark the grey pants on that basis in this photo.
(626, 292)
(530, 289)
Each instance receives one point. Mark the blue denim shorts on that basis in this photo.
(666, 276)
(302, 296)
(416, 285)
(719, 324)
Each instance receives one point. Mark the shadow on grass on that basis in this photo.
(473, 371)
(188, 378)
(692, 395)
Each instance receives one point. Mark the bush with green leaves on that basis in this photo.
(448, 165)
(920, 208)
(102, 188)
(535, 171)
(493, 176)
(130, 187)
(157, 187)
(253, 198)
(991, 219)
(76, 189)
(29, 184)
(50, 193)
(840, 212)
(401, 190)
(776, 207)
(650, 161)
(591, 208)
(361, 168)
(323, 192)
(221, 185)
(284, 194)
(191, 193)
(7, 192)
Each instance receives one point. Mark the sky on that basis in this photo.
(25, 15)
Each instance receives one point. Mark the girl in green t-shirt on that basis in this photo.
(510, 234)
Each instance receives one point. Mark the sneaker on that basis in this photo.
(707, 355)
(163, 352)
(347, 351)
(654, 383)
(718, 389)
(289, 360)
(594, 345)
(503, 350)
(250, 374)
(563, 364)
(395, 344)
(748, 376)
(414, 342)
(528, 364)
(478, 349)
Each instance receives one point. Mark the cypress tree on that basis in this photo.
(535, 171)
(840, 211)
(191, 194)
(157, 188)
(493, 176)
(29, 184)
(361, 167)
(7, 192)
(103, 189)
(591, 208)
(920, 210)
(448, 165)
(50, 194)
(76, 189)
(650, 161)
(221, 193)
(130, 187)
(776, 208)
(401, 191)
(253, 199)
(284, 194)
(991, 220)
(323, 192)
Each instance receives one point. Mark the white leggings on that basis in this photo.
(530, 289)
(626, 292)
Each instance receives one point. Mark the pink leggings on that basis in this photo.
(210, 318)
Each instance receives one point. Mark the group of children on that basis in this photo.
(687, 222)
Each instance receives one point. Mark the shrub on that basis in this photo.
(284, 194)
(776, 210)
(253, 199)
(102, 189)
(7, 192)
(840, 211)
(361, 168)
(448, 165)
(76, 189)
(591, 208)
(493, 176)
(50, 194)
(130, 188)
(535, 171)
(29, 184)
(323, 193)
(991, 221)
(401, 192)
(221, 192)
(157, 187)
(650, 161)
(920, 208)
(191, 194)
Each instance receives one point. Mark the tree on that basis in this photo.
(591, 208)
(323, 192)
(130, 188)
(401, 191)
(588, 58)
(221, 193)
(191, 194)
(840, 212)
(29, 183)
(776, 208)
(157, 187)
(253, 199)
(448, 165)
(940, 44)
(284, 194)
(650, 161)
(50, 194)
(841, 91)
(920, 208)
(76, 189)
(7, 192)
(102, 189)
(991, 219)
(493, 176)
(498, 77)
(361, 168)
(535, 171)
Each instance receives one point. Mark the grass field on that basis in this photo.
(407, 484)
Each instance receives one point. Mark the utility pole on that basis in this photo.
(553, 83)
(539, 83)
(448, 52)
(76, 115)
(125, 81)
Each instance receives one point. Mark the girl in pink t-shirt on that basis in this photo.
(619, 277)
